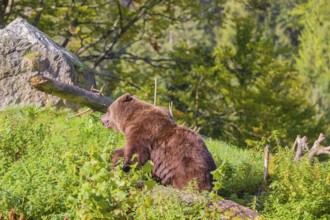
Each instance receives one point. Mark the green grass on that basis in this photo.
(52, 167)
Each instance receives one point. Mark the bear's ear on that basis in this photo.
(127, 97)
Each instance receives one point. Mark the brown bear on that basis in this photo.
(179, 155)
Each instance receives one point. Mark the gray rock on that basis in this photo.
(25, 52)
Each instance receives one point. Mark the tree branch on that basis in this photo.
(74, 23)
(317, 150)
(71, 92)
(302, 147)
(6, 9)
(103, 36)
(120, 15)
(141, 12)
(132, 58)
(114, 76)
(37, 18)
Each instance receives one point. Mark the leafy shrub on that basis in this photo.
(53, 168)
(299, 190)
(239, 173)
(63, 170)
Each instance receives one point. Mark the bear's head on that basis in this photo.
(118, 113)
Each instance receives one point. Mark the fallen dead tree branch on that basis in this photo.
(300, 146)
(71, 92)
(317, 149)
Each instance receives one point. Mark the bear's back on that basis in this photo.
(182, 158)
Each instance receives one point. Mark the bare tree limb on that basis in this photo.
(5, 11)
(98, 40)
(112, 75)
(120, 15)
(154, 62)
(71, 92)
(317, 150)
(74, 23)
(140, 13)
(302, 147)
(102, 56)
(295, 143)
(38, 16)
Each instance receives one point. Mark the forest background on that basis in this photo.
(238, 70)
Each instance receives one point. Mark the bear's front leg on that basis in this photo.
(129, 152)
(119, 153)
(142, 151)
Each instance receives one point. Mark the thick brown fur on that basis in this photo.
(179, 155)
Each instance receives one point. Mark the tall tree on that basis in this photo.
(313, 59)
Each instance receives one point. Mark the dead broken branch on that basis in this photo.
(266, 165)
(317, 149)
(71, 92)
(301, 147)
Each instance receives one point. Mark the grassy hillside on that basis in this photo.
(52, 168)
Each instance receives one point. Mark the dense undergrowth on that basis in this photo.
(51, 168)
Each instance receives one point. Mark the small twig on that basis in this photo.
(295, 143)
(38, 16)
(197, 129)
(170, 108)
(155, 93)
(98, 92)
(79, 113)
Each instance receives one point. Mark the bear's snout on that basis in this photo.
(105, 121)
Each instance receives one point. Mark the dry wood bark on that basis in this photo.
(73, 93)
(301, 147)
(266, 165)
(317, 149)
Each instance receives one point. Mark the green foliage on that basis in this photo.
(313, 56)
(239, 173)
(298, 190)
(235, 69)
(53, 168)
(241, 90)
(251, 72)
